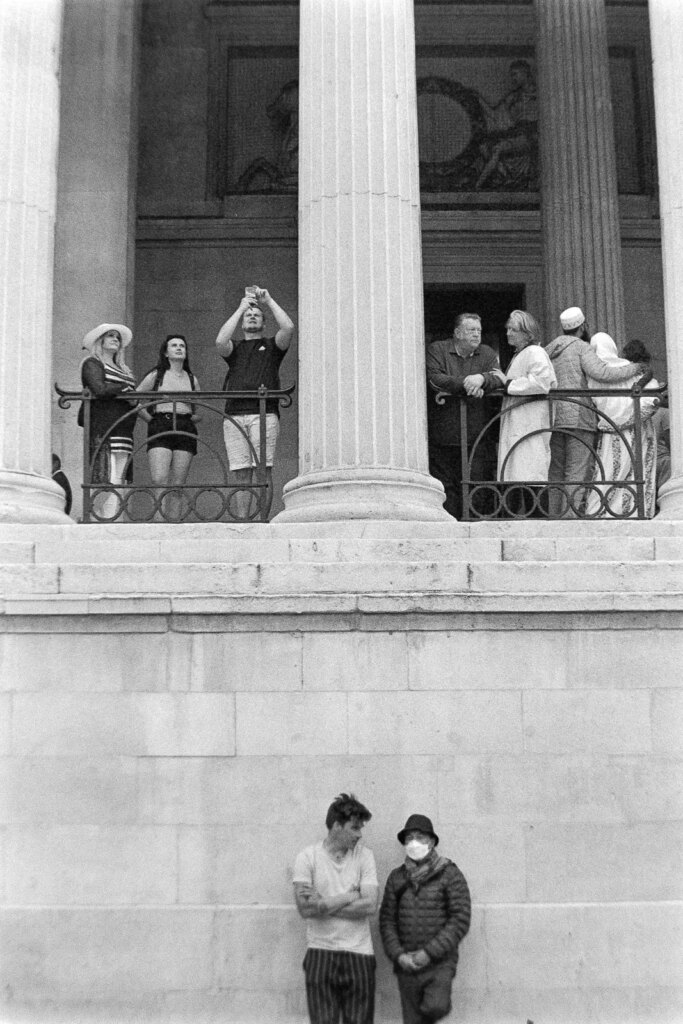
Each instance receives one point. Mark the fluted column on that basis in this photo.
(96, 184)
(363, 447)
(580, 212)
(666, 30)
(29, 123)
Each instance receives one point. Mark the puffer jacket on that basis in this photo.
(433, 915)
(574, 361)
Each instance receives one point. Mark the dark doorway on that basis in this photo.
(493, 303)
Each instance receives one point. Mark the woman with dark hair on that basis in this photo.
(635, 351)
(171, 435)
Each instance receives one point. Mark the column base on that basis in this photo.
(670, 499)
(371, 493)
(29, 498)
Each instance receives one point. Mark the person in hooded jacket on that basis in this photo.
(424, 916)
(572, 443)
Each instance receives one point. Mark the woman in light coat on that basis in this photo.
(523, 457)
(617, 437)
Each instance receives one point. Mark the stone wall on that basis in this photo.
(180, 705)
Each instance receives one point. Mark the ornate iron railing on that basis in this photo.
(599, 495)
(105, 501)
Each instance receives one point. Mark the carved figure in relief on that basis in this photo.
(510, 144)
(498, 150)
(264, 175)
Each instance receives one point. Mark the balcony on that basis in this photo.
(122, 491)
(620, 479)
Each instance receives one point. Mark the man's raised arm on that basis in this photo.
(285, 327)
(224, 339)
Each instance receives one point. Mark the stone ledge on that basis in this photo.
(315, 615)
(364, 529)
(230, 544)
(538, 602)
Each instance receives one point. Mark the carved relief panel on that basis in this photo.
(477, 104)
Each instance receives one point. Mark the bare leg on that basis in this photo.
(159, 470)
(180, 467)
(264, 499)
(241, 500)
(112, 504)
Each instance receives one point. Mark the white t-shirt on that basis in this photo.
(314, 866)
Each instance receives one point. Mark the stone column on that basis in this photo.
(363, 432)
(95, 234)
(666, 30)
(29, 125)
(580, 211)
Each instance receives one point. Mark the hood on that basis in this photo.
(559, 345)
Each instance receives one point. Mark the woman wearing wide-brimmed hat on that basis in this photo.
(105, 374)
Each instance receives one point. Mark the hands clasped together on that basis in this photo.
(415, 961)
(474, 383)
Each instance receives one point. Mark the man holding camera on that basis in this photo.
(252, 362)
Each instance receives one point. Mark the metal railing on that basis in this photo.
(598, 495)
(107, 501)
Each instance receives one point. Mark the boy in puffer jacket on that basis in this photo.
(425, 914)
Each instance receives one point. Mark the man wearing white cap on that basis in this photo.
(574, 423)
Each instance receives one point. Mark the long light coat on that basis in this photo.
(529, 373)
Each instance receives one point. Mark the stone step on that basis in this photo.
(365, 529)
(214, 544)
(157, 579)
(162, 569)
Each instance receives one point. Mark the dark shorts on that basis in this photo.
(162, 422)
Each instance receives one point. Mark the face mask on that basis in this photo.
(416, 850)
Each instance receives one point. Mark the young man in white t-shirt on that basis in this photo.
(335, 888)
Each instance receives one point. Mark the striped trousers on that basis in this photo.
(339, 985)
